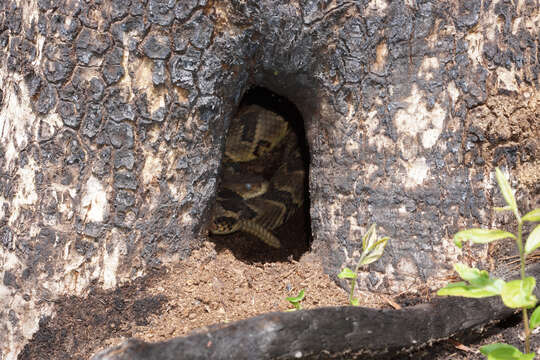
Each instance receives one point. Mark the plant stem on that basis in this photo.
(522, 256)
(353, 282)
(351, 295)
(521, 251)
(527, 331)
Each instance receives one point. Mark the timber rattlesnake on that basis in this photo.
(262, 176)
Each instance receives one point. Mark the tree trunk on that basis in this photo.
(113, 115)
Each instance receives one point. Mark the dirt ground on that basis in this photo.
(216, 285)
(212, 287)
(215, 288)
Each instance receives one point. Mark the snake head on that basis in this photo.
(224, 221)
(230, 207)
(224, 225)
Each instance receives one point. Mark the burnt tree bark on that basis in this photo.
(113, 115)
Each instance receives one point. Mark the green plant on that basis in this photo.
(295, 301)
(372, 250)
(516, 294)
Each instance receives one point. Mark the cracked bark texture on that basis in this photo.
(113, 115)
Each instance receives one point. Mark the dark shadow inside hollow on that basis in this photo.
(295, 234)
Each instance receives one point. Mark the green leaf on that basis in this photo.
(355, 301)
(500, 351)
(535, 318)
(375, 253)
(479, 284)
(474, 276)
(506, 190)
(297, 298)
(532, 216)
(347, 274)
(506, 208)
(481, 236)
(486, 349)
(469, 291)
(369, 238)
(519, 293)
(533, 241)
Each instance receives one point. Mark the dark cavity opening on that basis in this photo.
(295, 234)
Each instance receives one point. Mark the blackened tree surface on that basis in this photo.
(113, 115)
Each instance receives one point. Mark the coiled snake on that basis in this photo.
(262, 177)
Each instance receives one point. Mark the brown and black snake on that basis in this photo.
(262, 177)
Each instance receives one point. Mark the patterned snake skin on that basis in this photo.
(262, 178)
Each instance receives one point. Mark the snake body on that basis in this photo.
(262, 177)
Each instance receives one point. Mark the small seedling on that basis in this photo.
(372, 250)
(516, 294)
(295, 301)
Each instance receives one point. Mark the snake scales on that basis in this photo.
(262, 177)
